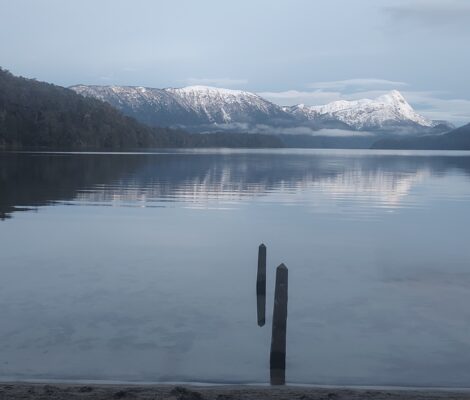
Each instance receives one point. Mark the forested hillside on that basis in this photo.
(38, 114)
(457, 139)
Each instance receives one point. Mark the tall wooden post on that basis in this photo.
(261, 285)
(278, 341)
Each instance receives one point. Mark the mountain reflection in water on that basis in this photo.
(142, 266)
(197, 179)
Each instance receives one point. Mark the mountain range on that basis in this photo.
(37, 114)
(204, 108)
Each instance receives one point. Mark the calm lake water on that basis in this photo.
(142, 266)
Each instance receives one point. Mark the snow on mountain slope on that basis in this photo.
(388, 110)
(188, 106)
(201, 108)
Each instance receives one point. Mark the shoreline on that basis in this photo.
(202, 391)
(195, 384)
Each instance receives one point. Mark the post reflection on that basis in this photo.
(261, 286)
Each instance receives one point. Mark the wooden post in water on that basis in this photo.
(261, 285)
(278, 341)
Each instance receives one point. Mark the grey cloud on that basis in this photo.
(432, 13)
(221, 82)
(433, 106)
(357, 83)
(341, 133)
(246, 44)
(299, 130)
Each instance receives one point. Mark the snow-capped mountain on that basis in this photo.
(388, 111)
(191, 107)
(203, 108)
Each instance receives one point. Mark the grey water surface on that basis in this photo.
(142, 266)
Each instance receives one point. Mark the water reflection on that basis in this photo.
(149, 258)
(222, 179)
(28, 181)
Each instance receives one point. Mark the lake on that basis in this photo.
(142, 266)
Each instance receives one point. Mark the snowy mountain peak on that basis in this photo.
(394, 96)
(210, 90)
(388, 110)
(201, 108)
(191, 107)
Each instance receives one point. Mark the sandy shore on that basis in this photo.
(26, 391)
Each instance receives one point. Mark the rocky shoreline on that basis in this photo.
(26, 391)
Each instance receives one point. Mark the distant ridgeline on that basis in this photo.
(204, 108)
(388, 121)
(457, 139)
(40, 115)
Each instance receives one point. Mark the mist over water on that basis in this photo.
(142, 266)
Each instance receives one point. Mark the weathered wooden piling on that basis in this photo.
(261, 307)
(278, 341)
(261, 285)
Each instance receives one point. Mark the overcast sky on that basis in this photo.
(290, 51)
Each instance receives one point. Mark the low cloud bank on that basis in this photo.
(276, 130)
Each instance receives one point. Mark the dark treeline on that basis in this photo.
(458, 139)
(327, 142)
(40, 115)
